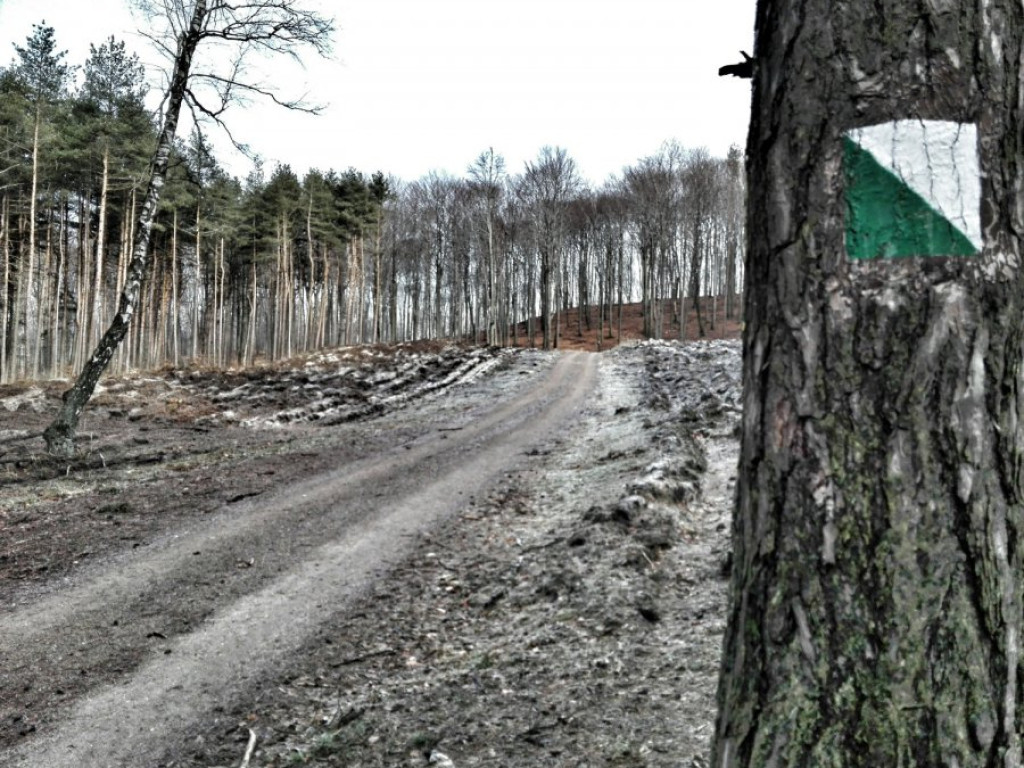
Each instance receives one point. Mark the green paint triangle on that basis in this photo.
(887, 219)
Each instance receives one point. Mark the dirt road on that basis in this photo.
(138, 649)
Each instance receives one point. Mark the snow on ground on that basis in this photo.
(325, 388)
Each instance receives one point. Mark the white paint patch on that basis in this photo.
(938, 159)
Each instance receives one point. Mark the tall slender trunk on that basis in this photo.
(308, 332)
(276, 311)
(250, 341)
(218, 315)
(288, 291)
(101, 244)
(45, 305)
(324, 304)
(601, 288)
(163, 313)
(558, 298)
(618, 332)
(695, 273)
(29, 309)
(362, 289)
(378, 287)
(59, 316)
(199, 289)
(545, 295)
(438, 309)
(85, 285)
(175, 311)
(492, 284)
(5, 287)
(393, 295)
(124, 257)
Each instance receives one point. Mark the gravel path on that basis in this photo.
(305, 551)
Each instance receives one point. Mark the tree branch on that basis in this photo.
(293, 104)
(195, 106)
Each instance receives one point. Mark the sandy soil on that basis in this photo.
(565, 609)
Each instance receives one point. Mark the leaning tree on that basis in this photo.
(234, 31)
(876, 597)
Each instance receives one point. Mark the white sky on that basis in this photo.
(421, 85)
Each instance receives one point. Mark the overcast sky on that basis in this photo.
(421, 85)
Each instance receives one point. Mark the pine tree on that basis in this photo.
(45, 77)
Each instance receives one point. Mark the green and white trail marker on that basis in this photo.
(913, 188)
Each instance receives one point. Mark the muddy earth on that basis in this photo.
(406, 556)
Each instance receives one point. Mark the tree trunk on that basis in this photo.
(439, 316)
(46, 309)
(83, 299)
(60, 434)
(5, 286)
(545, 295)
(876, 597)
(101, 244)
(321, 334)
(492, 283)
(250, 342)
(378, 286)
(124, 259)
(218, 316)
(58, 318)
(308, 331)
(695, 269)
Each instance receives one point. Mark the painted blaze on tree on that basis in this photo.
(912, 189)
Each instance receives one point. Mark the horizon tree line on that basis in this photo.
(275, 264)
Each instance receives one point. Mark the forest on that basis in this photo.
(277, 264)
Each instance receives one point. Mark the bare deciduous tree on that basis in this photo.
(488, 175)
(550, 182)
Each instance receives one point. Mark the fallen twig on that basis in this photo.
(341, 719)
(538, 547)
(249, 749)
(364, 657)
(245, 495)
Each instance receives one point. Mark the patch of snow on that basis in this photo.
(33, 399)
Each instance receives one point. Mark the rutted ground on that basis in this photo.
(156, 450)
(569, 615)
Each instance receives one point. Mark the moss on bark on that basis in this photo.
(876, 599)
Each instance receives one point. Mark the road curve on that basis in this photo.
(308, 549)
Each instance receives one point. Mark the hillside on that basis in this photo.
(716, 326)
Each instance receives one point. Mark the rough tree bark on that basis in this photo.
(60, 435)
(876, 597)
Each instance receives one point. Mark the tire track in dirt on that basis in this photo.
(206, 628)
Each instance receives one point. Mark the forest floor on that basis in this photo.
(575, 332)
(566, 609)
